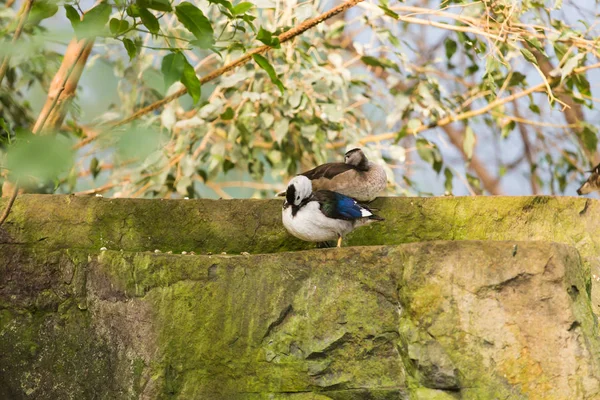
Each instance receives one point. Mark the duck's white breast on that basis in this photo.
(311, 225)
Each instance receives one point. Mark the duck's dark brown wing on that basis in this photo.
(328, 171)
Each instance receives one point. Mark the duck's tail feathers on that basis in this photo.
(376, 218)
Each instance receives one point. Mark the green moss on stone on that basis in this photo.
(379, 322)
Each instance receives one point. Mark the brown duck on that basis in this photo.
(357, 177)
(593, 182)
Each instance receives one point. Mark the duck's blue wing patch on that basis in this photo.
(347, 207)
(338, 206)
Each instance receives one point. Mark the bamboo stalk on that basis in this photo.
(63, 86)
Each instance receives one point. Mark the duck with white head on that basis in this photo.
(322, 215)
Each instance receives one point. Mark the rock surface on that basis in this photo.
(440, 318)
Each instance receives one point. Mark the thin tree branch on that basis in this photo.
(466, 115)
(284, 37)
(535, 187)
(24, 12)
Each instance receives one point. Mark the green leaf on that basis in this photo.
(224, 3)
(471, 69)
(95, 167)
(558, 5)
(474, 182)
(133, 10)
(242, 8)
(451, 47)
(158, 5)
(589, 137)
(228, 114)
(130, 47)
(535, 43)
(379, 62)
(430, 153)
(583, 85)
(41, 157)
(469, 142)
(72, 15)
(94, 22)
(149, 20)
(4, 126)
(412, 125)
(516, 79)
(535, 108)
(529, 56)
(389, 12)
(194, 21)
(118, 26)
(394, 40)
(281, 128)
(448, 181)
(41, 10)
(508, 128)
(267, 38)
(172, 68)
(401, 134)
(264, 64)
(560, 50)
(502, 170)
(570, 65)
(190, 81)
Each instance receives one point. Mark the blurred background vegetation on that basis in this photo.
(453, 97)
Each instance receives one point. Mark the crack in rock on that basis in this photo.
(282, 316)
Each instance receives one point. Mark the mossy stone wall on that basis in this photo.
(449, 298)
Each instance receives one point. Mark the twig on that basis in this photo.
(532, 122)
(11, 201)
(25, 8)
(284, 37)
(100, 189)
(458, 28)
(535, 187)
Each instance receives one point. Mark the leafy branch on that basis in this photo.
(284, 37)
